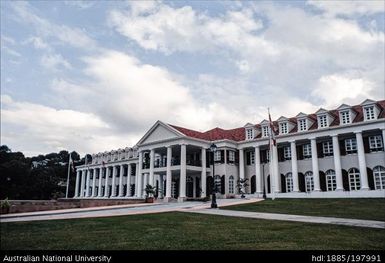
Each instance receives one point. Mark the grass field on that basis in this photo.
(184, 231)
(359, 208)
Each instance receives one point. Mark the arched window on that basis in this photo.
(379, 177)
(289, 182)
(354, 179)
(331, 180)
(217, 183)
(231, 184)
(309, 182)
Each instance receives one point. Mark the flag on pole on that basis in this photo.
(272, 130)
(273, 144)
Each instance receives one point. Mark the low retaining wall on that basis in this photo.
(21, 206)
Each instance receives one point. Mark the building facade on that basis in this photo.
(330, 153)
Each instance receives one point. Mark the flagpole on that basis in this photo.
(271, 156)
(68, 174)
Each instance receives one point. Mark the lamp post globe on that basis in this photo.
(213, 149)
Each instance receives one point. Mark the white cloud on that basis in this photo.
(80, 4)
(54, 61)
(335, 89)
(36, 128)
(349, 8)
(157, 26)
(45, 29)
(38, 43)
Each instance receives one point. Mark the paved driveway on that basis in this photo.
(120, 210)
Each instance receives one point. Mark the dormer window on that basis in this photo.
(322, 121)
(302, 124)
(283, 128)
(345, 117)
(265, 131)
(249, 134)
(369, 113)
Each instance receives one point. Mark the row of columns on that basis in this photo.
(149, 177)
(83, 178)
(315, 166)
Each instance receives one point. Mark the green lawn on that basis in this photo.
(359, 208)
(179, 230)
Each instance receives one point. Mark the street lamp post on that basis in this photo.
(213, 149)
(263, 179)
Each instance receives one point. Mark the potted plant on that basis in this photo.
(150, 191)
(5, 206)
(242, 184)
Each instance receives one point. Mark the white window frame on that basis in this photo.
(302, 125)
(252, 157)
(283, 128)
(379, 177)
(265, 131)
(289, 182)
(331, 180)
(217, 156)
(351, 146)
(287, 153)
(249, 133)
(345, 117)
(309, 182)
(327, 148)
(306, 150)
(369, 113)
(323, 121)
(231, 156)
(354, 179)
(231, 184)
(375, 143)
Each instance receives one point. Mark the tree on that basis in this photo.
(5, 148)
(241, 185)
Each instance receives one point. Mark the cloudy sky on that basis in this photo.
(95, 76)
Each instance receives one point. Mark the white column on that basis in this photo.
(129, 171)
(362, 162)
(93, 182)
(277, 175)
(314, 162)
(82, 184)
(145, 181)
(100, 181)
(138, 191)
(152, 160)
(204, 173)
(182, 188)
(108, 171)
(257, 161)
(121, 181)
(337, 162)
(168, 173)
(114, 172)
(241, 165)
(87, 183)
(294, 166)
(77, 184)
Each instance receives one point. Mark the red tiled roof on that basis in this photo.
(238, 134)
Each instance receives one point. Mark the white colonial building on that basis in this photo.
(331, 153)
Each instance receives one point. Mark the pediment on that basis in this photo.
(159, 132)
(343, 107)
(368, 102)
(321, 111)
(301, 115)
